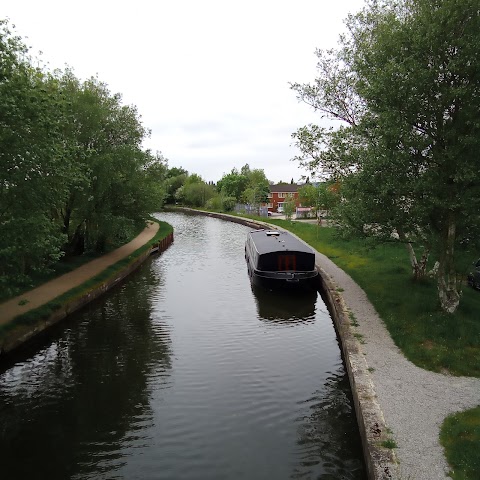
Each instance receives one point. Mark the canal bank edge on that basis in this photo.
(23, 332)
(380, 461)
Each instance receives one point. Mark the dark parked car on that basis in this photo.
(473, 278)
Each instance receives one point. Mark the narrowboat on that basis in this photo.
(279, 259)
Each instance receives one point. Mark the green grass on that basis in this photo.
(460, 437)
(428, 337)
(42, 313)
(389, 443)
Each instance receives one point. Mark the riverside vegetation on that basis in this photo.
(428, 337)
(31, 317)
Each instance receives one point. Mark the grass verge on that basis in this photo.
(42, 313)
(460, 437)
(426, 335)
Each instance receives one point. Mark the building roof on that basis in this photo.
(284, 187)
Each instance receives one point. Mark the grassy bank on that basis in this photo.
(460, 436)
(428, 337)
(33, 316)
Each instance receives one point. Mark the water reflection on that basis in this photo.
(285, 305)
(322, 435)
(65, 412)
(173, 376)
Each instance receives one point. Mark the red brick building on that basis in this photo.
(279, 194)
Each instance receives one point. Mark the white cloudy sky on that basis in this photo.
(209, 77)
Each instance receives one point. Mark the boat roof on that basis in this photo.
(268, 241)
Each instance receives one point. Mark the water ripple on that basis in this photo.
(185, 371)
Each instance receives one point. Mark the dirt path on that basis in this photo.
(52, 289)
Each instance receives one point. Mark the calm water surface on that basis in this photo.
(184, 372)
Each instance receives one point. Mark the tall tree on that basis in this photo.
(32, 172)
(233, 184)
(175, 178)
(407, 91)
(257, 189)
(108, 196)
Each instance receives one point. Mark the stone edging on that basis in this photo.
(380, 462)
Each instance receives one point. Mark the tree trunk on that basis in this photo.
(448, 293)
(76, 245)
(68, 214)
(419, 269)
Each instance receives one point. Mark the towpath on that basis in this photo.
(414, 401)
(48, 291)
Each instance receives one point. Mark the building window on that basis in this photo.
(270, 205)
(282, 194)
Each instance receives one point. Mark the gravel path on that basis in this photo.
(414, 401)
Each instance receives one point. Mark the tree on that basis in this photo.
(195, 192)
(175, 178)
(258, 187)
(405, 84)
(324, 196)
(110, 195)
(289, 207)
(73, 175)
(33, 175)
(233, 184)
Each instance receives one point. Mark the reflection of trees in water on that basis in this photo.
(70, 409)
(328, 438)
(285, 305)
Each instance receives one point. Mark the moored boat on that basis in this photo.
(278, 259)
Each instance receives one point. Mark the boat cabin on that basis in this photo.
(278, 258)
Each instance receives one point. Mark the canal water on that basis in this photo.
(184, 372)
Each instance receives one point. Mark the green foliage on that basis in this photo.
(322, 197)
(195, 192)
(460, 437)
(258, 186)
(389, 443)
(73, 176)
(214, 203)
(175, 178)
(32, 175)
(404, 84)
(44, 312)
(118, 183)
(228, 204)
(233, 184)
(289, 207)
(248, 186)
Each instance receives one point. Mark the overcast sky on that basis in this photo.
(209, 78)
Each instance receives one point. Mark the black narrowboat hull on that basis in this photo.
(283, 262)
